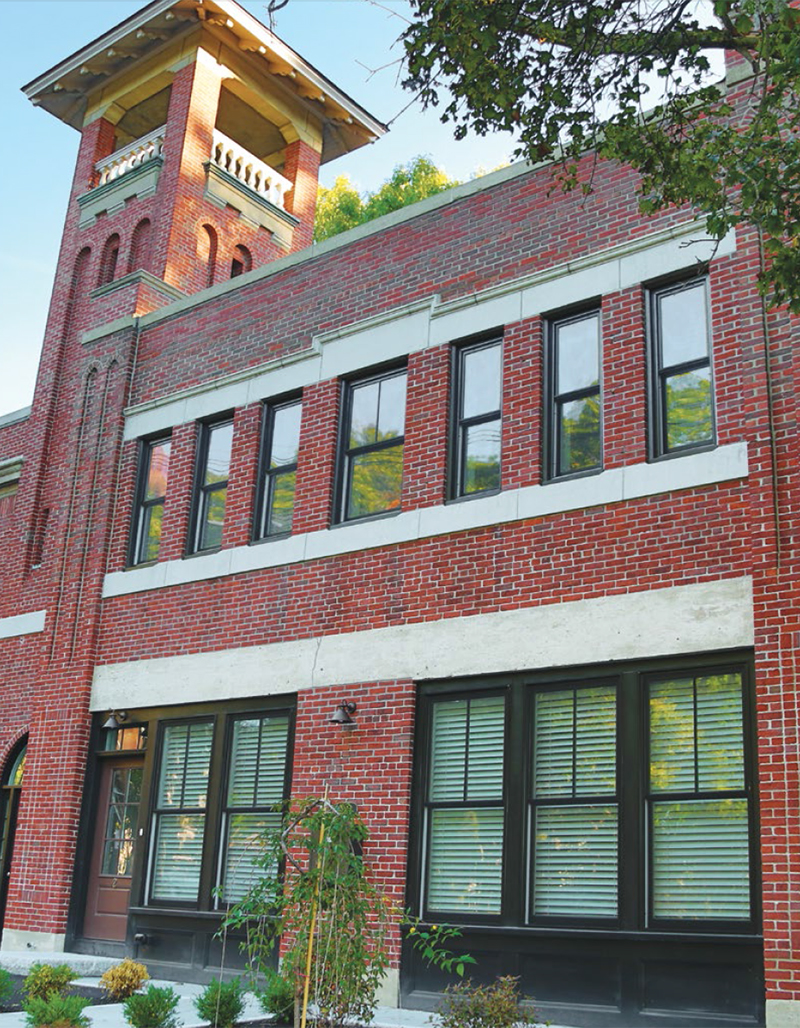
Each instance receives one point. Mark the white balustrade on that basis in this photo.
(131, 156)
(249, 170)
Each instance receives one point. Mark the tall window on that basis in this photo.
(477, 401)
(682, 405)
(279, 469)
(180, 811)
(573, 430)
(620, 799)
(255, 788)
(151, 493)
(211, 489)
(371, 463)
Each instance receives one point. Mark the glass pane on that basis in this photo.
(448, 750)
(575, 742)
(482, 457)
(281, 503)
(672, 736)
(242, 850)
(157, 473)
(364, 414)
(684, 326)
(185, 761)
(700, 859)
(285, 435)
(258, 762)
(688, 408)
(553, 739)
(214, 518)
(467, 749)
(152, 518)
(392, 412)
(466, 861)
(577, 355)
(218, 462)
(720, 733)
(575, 861)
(375, 482)
(177, 857)
(481, 388)
(579, 434)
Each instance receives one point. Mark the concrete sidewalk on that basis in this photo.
(111, 1016)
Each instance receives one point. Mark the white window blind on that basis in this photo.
(465, 841)
(575, 849)
(180, 817)
(243, 848)
(700, 848)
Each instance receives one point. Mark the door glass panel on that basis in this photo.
(121, 822)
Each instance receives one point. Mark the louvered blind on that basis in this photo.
(465, 859)
(700, 846)
(575, 859)
(575, 868)
(178, 856)
(258, 762)
(183, 786)
(243, 848)
(700, 859)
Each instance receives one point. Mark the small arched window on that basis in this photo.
(207, 251)
(140, 247)
(242, 261)
(108, 262)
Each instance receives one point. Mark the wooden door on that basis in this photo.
(114, 849)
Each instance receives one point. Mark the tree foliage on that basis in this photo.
(570, 77)
(342, 207)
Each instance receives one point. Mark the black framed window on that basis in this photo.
(256, 786)
(211, 484)
(681, 387)
(573, 417)
(150, 496)
(618, 798)
(478, 417)
(278, 468)
(179, 814)
(372, 444)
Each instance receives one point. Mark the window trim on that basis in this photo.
(552, 401)
(657, 373)
(344, 455)
(458, 425)
(634, 860)
(267, 476)
(146, 446)
(200, 492)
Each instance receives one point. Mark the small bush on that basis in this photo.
(153, 1008)
(46, 980)
(6, 986)
(56, 1011)
(483, 1006)
(221, 1003)
(277, 997)
(123, 979)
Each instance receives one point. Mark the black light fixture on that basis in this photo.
(115, 719)
(343, 712)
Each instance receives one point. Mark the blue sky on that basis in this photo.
(339, 37)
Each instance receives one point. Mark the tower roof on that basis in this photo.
(65, 89)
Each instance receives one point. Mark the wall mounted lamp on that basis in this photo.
(343, 712)
(115, 719)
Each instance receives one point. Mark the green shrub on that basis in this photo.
(6, 986)
(46, 980)
(483, 1006)
(56, 1011)
(277, 997)
(123, 979)
(221, 1003)
(153, 1008)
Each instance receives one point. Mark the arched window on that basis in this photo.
(10, 788)
(108, 262)
(207, 251)
(140, 247)
(242, 261)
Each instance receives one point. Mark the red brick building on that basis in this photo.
(512, 473)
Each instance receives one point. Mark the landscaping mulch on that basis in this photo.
(14, 1003)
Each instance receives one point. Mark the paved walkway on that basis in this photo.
(110, 1015)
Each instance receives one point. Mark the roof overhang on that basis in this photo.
(64, 90)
